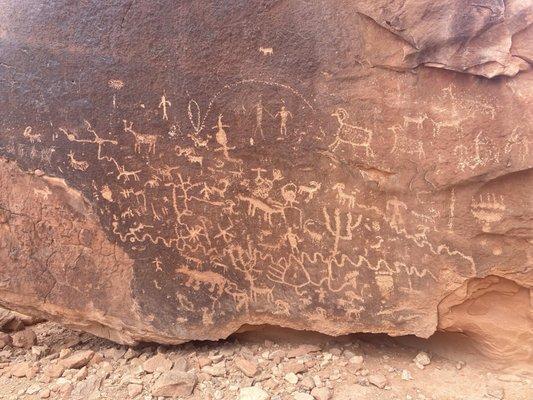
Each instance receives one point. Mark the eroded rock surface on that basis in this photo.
(174, 170)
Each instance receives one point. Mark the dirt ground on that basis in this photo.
(267, 363)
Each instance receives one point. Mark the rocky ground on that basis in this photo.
(48, 361)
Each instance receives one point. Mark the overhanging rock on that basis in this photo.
(173, 170)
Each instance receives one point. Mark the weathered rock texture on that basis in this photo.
(172, 170)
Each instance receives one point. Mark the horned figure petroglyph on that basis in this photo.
(214, 281)
(343, 197)
(352, 135)
(405, 144)
(310, 190)
(268, 211)
(79, 165)
(141, 139)
(32, 137)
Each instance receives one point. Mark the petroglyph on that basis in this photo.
(351, 135)
(141, 139)
(488, 209)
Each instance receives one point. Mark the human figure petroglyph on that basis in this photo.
(224, 233)
(32, 137)
(283, 115)
(141, 139)
(76, 164)
(222, 139)
(352, 135)
(418, 120)
(393, 209)
(343, 197)
(164, 104)
(292, 239)
(259, 118)
(405, 144)
(268, 211)
(311, 189)
(157, 264)
(288, 192)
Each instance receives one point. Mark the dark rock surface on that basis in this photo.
(174, 170)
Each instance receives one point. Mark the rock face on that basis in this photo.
(174, 170)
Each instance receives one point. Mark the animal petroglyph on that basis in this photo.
(351, 135)
(404, 144)
(141, 139)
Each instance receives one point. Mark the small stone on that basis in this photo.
(302, 396)
(495, 392)
(24, 339)
(54, 370)
(33, 389)
(78, 359)
(294, 367)
(174, 384)
(203, 361)
(45, 393)
(157, 363)
(253, 393)
(460, 365)
(378, 380)
(5, 340)
(64, 353)
(291, 378)
(218, 369)
(357, 361)
(406, 375)
(134, 389)
(321, 393)
(307, 383)
(421, 360)
(20, 370)
(247, 367)
(81, 374)
(302, 350)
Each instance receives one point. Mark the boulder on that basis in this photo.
(172, 171)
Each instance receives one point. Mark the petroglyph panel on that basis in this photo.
(260, 172)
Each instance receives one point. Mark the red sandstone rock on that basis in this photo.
(335, 166)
